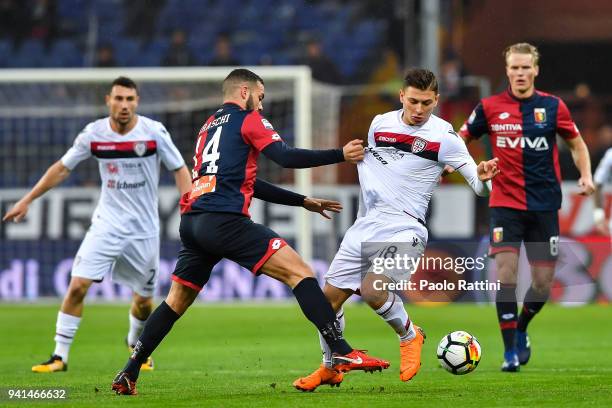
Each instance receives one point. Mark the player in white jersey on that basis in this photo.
(124, 235)
(407, 152)
(603, 175)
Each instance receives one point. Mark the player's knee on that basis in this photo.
(180, 297)
(77, 290)
(542, 286)
(143, 304)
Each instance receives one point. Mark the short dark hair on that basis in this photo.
(125, 82)
(240, 75)
(421, 78)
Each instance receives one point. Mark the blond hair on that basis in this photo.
(522, 48)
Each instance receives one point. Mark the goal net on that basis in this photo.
(42, 111)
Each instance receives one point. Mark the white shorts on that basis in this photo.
(132, 262)
(350, 264)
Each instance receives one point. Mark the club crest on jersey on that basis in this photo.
(267, 124)
(140, 148)
(539, 115)
(418, 145)
(498, 234)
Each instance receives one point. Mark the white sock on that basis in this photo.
(65, 329)
(395, 315)
(327, 353)
(136, 327)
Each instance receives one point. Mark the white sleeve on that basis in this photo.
(167, 150)
(373, 125)
(604, 169)
(453, 152)
(80, 150)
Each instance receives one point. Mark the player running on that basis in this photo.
(216, 224)
(124, 235)
(522, 124)
(603, 175)
(406, 155)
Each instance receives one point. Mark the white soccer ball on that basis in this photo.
(459, 352)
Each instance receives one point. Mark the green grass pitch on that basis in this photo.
(248, 355)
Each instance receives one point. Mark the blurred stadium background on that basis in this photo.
(356, 51)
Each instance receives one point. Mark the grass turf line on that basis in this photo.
(248, 356)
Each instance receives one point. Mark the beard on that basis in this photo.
(250, 103)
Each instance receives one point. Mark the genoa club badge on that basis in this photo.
(498, 234)
(539, 115)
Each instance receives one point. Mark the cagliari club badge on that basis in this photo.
(539, 115)
(140, 148)
(418, 145)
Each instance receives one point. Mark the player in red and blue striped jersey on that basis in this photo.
(522, 124)
(215, 223)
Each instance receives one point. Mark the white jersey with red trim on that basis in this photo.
(403, 164)
(129, 170)
(603, 173)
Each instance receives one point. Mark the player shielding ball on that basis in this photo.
(124, 235)
(522, 124)
(406, 155)
(215, 223)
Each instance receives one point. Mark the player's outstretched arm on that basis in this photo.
(54, 175)
(273, 194)
(582, 160)
(295, 158)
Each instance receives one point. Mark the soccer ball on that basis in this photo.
(459, 352)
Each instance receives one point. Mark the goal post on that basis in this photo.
(42, 111)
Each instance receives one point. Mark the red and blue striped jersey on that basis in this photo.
(523, 136)
(225, 161)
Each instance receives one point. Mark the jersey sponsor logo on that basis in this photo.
(203, 185)
(123, 150)
(267, 124)
(539, 115)
(124, 185)
(140, 148)
(498, 234)
(112, 168)
(377, 155)
(504, 115)
(506, 127)
(537, 143)
(386, 139)
(276, 244)
(418, 145)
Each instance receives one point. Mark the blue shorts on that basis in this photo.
(208, 237)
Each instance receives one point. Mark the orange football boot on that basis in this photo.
(320, 376)
(410, 355)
